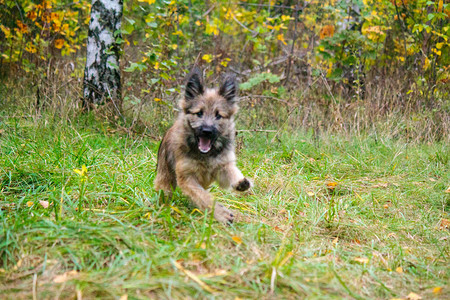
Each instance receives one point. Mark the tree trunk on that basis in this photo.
(102, 75)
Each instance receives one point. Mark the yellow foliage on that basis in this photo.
(211, 29)
(148, 1)
(326, 31)
(6, 31)
(59, 43)
(207, 57)
(280, 37)
(30, 48)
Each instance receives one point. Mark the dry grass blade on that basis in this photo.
(194, 277)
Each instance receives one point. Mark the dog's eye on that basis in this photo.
(199, 114)
(218, 116)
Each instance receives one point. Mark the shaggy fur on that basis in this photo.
(199, 148)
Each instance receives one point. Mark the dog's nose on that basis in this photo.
(207, 131)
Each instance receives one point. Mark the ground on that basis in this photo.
(330, 216)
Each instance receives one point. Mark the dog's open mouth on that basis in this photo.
(204, 144)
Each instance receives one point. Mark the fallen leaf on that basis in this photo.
(331, 185)
(448, 190)
(445, 223)
(361, 260)
(432, 179)
(43, 203)
(399, 270)
(311, 194)
(413, 296)
(386, 206)
(237, 240)
(124, 297)
(392, 235)
(335, 240)
(437, 290)
(278, 229)
(30, 203)
(66, 276)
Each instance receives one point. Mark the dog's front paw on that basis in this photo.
(223, 214)
(243, 185)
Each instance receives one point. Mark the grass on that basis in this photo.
(329, 217)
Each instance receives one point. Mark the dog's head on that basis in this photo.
(209, 113)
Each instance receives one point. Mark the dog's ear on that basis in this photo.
(229, 88)
(194, 85)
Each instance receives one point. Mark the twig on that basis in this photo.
(208, 11)
(253, 32)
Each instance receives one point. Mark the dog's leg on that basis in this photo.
(165, 176)
(203, 200)
(230, 175)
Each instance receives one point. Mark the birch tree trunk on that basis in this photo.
(101, 82)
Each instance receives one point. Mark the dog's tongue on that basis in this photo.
(204, 144)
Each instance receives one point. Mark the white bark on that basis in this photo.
(101, 75)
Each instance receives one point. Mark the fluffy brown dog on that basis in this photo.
(199, 148)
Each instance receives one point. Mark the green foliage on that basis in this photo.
(258, 79)
(409, 35)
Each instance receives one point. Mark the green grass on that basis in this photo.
(296, 237)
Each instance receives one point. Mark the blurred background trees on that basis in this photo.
(320, 64)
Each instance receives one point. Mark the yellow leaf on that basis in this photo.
(174, 46)
(237, 240)
(156, 66)
(280, 37)
(84, 169)
(59, 43)
(413, 296)
(426, 63)
(6, 31)
(148, 1)
(331, 185)
(286, 18)
(30, 203)
(157, 100)
(198, 23)
(178, 32)
(311, 194)
(399, 270)
(32, 15)
(207, 57)
(439, 45)
(361, 260)
(437, 290)
(441, 3)
(44, 203)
